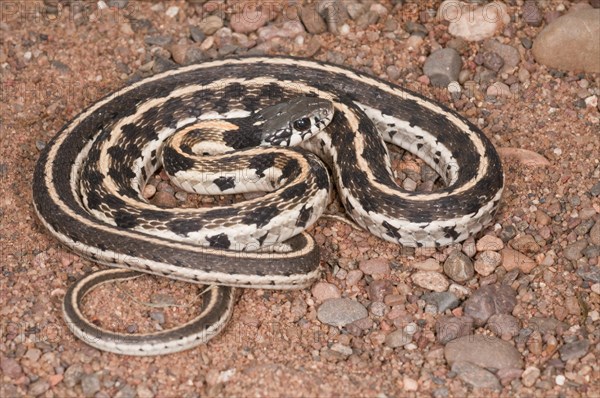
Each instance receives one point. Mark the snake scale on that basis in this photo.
(271, 123)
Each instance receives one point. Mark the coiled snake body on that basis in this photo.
(88, 181)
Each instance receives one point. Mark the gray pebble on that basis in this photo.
(162, 64)
(117, 3)
(378, 308)
(485, 351)
(415, 28)
(493, 61)
(194, 55)
(355, 10)
(210, 24)
(158, 316)
(398, 338)
(508, 232)
(574, 350)
(591, 251)
(442, 300)
(312, 21)
(158, 40)
(443, 66)
(489, 300)
(340, 312)
(40, 145)
(503, 325)
(573, 251)
(475, 375)
(530, 376)
(196, 34)
(10, 367)
(532, 14)
(38, 388)
(546, 325)
(595, 190)
(527, 42)
(73, 375)
(61, 67)
(33, 354)
(448, 328)
(90, 384)
(126, 392)
(367, 19)
(459, 267)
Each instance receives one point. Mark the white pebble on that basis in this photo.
(172, 11)
(560, 380)
(557, 151)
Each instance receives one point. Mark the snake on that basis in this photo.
(289, 127)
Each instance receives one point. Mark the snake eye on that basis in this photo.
(302, 124)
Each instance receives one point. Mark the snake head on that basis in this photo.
(291, 122)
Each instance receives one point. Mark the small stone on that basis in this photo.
(313, 22)
(560, 380)
(512, 259)
(476, 376)
(398, 338)
(367, 19)
(10, 367)
(117, 3)
(591, 275)
(498, 89)
(197, 35)
(574, 350)
(489, 300)
(158, 316)
(485, 351)
(322, 291)
(340, 312)
(571, 42)
(33, 354)
(489, 242)
(503, 325)
(448, 328)
(443, 66)
(410, 384)
(172, 11)
(573, 251)
(90, 384)
(430, 280)
(73, 375)
(595, 190)
(210, 25)
(442, 300)
(143, 391)
(471, 22)
(149, 191)
(164, 199)
(532, 15)
(342, 349)
(354, 276)
(487, 263)
(458, 267)
(253, 17)
(525, 243)
(431, 264)
(376, 267)
(178, 52)
(378, 289)
(38, 388)
(530, 376)
(492, 61)
(129, 392)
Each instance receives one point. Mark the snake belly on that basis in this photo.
(368, 113)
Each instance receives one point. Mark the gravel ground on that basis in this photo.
(515, 311)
